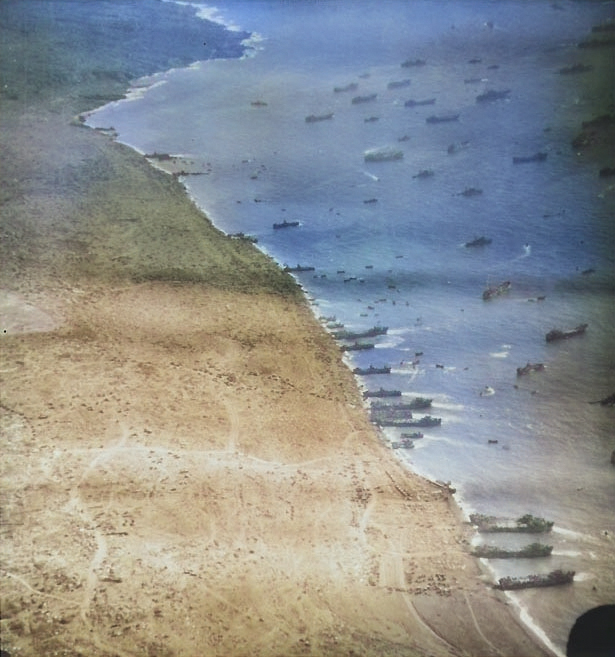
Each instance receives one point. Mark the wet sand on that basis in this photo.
(187, 467)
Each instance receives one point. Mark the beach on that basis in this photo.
(188, 467)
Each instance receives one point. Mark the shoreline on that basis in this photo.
(88, 301)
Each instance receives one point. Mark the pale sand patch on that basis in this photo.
(194, 474)
(19, 316)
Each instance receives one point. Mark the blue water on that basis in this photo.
(400, 261)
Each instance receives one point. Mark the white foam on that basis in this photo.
(529, 622)
(136, 93)
(572, 534)
(371, 175)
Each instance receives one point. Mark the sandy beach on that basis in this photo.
(187, 465)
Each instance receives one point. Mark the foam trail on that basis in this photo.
(528, 621)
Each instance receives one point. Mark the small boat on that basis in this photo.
(286, 224)
(409, 63)
(348, 87)
(368, 333)
(425, 173)
(554, 578)
(419, 103)
(383, 154)
(471, 191)
(537, 157)
(399, 84)
(442, 118)
(258, 103)
(479, 241)
(556, 334)
(496, 290)
(491, 95)
(314, 118)
(371, 119)
(366, 371)
(605, 401)
(414, 435)
(364, 99)
(370, 200)
(402, 444)
(381, 392)
(530, 367)
(298, 268)
(244, 237)
(357, 346)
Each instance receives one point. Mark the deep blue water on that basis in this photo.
(400, 261)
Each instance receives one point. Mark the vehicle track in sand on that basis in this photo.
(477, 626)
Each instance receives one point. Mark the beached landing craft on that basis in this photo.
(554, 578)
(402, 444)
(406, 420)
(368, 333)
(414, 435)
(382, 393)
(426, 421)
(366, 371)
(556, 334)
(531, 551)
(358, 346)
(298, 268)
(525, 524)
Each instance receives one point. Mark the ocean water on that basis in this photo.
(388, 247)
